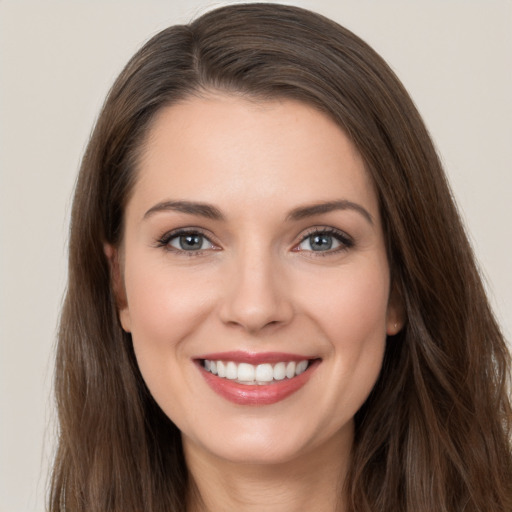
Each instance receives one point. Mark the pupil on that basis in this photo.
(191, 242)
(321, 242)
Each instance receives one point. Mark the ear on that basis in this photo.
(395, 316)
(116, 282)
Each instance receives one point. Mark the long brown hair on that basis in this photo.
(434, 435)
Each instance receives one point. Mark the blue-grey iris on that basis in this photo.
(191, 242)
(320, 242)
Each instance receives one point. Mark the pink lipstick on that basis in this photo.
(256, 379)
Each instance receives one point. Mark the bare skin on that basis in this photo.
(254, 229)
(314, 483)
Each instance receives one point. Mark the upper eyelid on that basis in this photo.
(324, 229)
(186, 231)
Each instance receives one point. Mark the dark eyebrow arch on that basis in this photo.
(303, 212)
(193, 208)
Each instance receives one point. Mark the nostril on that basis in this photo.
(256, 298)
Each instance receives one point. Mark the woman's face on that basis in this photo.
(253, 247)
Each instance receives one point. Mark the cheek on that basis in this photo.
(352, 312)
(164, 304)
(165, 307)
(353, 305)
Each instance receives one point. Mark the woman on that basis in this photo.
(272, 304)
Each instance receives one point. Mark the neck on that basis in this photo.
(312, 481)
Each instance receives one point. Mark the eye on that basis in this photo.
(186, 241)
(325, 240)
(190, 242)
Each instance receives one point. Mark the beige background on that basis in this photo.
(57, 60)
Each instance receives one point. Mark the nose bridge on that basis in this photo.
(256, 295)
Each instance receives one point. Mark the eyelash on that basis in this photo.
(345, 241)
(164, 241)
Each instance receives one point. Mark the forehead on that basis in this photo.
(222, 147)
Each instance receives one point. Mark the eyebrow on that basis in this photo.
(211, 212)
(193, 208)
(303, 212)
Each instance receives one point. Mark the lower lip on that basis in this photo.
(256, 394)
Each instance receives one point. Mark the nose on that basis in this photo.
(257, 296)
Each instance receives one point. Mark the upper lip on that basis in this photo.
(240, 356)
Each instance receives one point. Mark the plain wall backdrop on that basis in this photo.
(57, 61)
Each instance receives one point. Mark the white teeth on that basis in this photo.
(280, 371)
(290, 369)
(246, 372)
(301, 367)
(231, 371)
(265, 373)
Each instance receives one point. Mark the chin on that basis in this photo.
(265, 444)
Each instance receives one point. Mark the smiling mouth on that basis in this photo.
(252, 375)
(256, 379)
